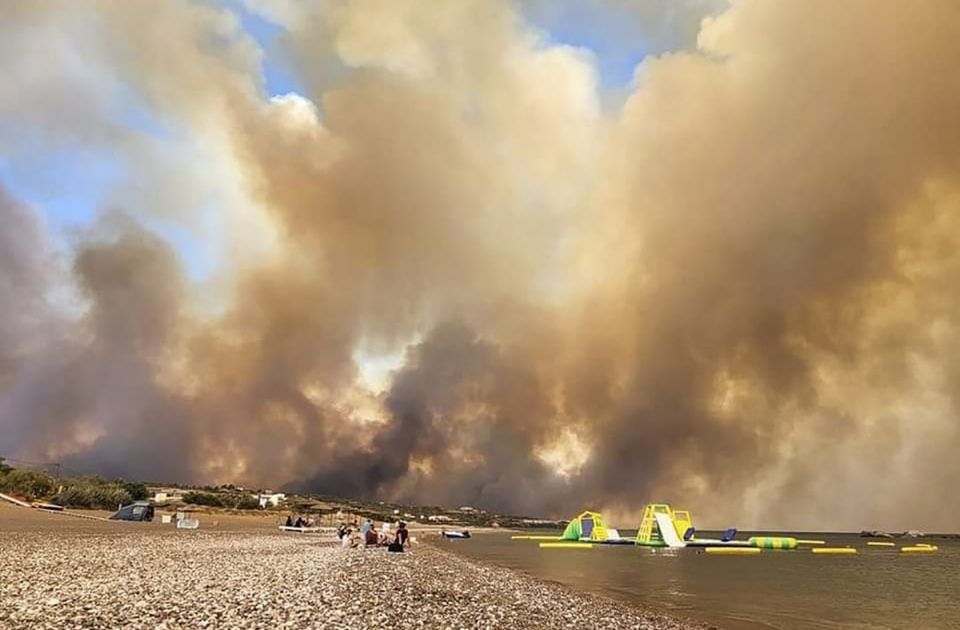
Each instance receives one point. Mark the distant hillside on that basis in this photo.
(98, 492)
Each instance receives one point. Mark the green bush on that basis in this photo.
(247, 502)
(203, 498)
(27, 483)
(92, 492)
(136, 489)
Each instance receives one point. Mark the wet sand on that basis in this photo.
(63, 572)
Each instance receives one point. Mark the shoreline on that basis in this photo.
(63, 572)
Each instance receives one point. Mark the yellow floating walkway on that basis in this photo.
(881, 544)
(733, 551)
(566, 545)
(525, 537)
(834, 550)
(918, 549)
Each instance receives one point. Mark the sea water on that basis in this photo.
(878, 588)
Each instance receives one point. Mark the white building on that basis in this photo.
(271, 499)
(438, 517)
(167, 494)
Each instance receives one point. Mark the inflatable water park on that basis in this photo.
(664, 527)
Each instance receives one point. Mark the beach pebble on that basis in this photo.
(154, 578)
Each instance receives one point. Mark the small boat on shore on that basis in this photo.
(455, 535)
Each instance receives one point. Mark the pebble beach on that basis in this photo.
(61, 572)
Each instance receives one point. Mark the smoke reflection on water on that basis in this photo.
(795, 590)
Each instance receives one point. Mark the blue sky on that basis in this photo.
(70, 185)
(279, 76)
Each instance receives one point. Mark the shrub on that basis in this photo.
(136, 489)
(203, 498)
(92, 492)
(247, 502)
(28, 483)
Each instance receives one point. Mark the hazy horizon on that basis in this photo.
(525, 255)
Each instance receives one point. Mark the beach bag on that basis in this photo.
(395, 547)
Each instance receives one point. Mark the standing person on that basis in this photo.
(366, 527)
(403, 535)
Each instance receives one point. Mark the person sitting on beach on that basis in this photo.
(401, 539)
(370, 538)
(366, 527)
(289, 522)
(300, 522)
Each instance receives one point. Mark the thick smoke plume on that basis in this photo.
(735, 292)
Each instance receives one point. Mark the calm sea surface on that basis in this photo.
(793, 590)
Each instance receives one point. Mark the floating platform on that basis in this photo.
(834, 550)
(712, 543)
(918, 549)
(566, 545)
(773, 542)
(526, 537)
(881, 544)
(803, 541)
(733, 551)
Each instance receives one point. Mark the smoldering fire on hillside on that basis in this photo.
(735, 292)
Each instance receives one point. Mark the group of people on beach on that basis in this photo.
(300, 522)
(366, 535)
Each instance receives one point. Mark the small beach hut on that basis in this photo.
(586, 526)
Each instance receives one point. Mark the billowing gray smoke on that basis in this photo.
(735, 292)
